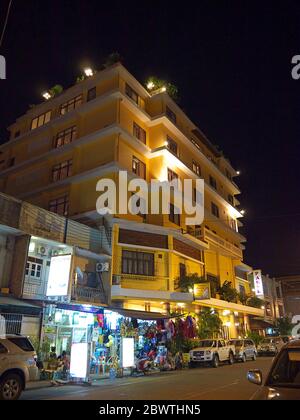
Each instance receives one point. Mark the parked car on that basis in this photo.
(17, 366)
(212, 352)
(243, 349)
(271, 346)
(283, 381)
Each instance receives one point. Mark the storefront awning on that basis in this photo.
(144, 316)
(90, 309)
(9, 304)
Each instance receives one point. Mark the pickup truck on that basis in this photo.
(212, 352)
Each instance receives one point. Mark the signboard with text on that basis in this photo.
(202, 291)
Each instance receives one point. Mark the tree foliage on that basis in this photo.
(284, 326)
(188, 281)
(209, 324)
(227, 292)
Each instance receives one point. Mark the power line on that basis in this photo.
(5, 22)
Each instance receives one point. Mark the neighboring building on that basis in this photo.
(59, 150)
(290, 286)
(33, 242)
(273, 307)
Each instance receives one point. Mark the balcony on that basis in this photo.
(207, 235)
(34, 290)
(83, 294)
(119, 292)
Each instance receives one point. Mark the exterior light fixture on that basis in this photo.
(166, 143)
(164, 89)
(243, 212)
(46, 95)
(88, 72)
(150, 85)
(238, 172)
(191, 290)
(226, 312)
(263, 307)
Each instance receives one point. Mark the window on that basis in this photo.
(70, 105)
(62, 170)
(286, 370)
(242, 290)
(131, 94)
(172, 175)
(138, 263)
(230, 199)
(196, 168)
(91, 94)
(147, 307)
(139, 133)
(33, 269)
(41, 120)
(60, 205)
(65, 137)
(214, 284)
(278, 292)
(212, 182)
(173, 217)
(182, 270)
(3, 349)
(172, 145)
(171, 115)
(215, 210)
(268, 309)
(138, 167)
(22, 342)
(17, 134)
(281, 312)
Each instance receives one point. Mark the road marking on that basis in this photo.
(195, 395)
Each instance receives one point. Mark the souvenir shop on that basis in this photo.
(98, 341)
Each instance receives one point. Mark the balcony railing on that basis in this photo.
(207, 235)
(88, 295)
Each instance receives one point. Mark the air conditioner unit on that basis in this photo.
(102, 267)
(43, 250)
(116, 280)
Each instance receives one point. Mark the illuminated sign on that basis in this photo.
(258, 283)
(202, 291)
(59, 275)
(127, 352)
(79, 360)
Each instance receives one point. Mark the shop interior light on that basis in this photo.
(46, 95)
(243, 212)
(238, 172)
(164, 89)
(263, 307)
(191, 290)
(226, 312)
(88, 72)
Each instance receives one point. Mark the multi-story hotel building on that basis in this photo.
(60, 149)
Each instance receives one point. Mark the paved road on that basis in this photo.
(226, 382)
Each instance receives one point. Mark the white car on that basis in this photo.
(271, 346)
(212, 352)
(17, 365)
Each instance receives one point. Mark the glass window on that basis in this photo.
(172, 145)
(172, 175)
(138, 167)
(22, 342)
(171, 115)
(91, 94)
(173, 216)
(41, 120)
(3, 349)
(139, 133)
(65, 137)
(212, 182)
(138, 263)
(196, 168)
(71, 105)
(60, 205)
(131, 94)
(62, 170)
(286, 372)
(215, 210)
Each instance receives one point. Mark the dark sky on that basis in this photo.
(231, 61)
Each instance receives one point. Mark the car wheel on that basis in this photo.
(215, 363)
(244, 358)
(231, 359)
(11, 387)
(254, 357)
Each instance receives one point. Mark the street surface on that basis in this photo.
(204, 383)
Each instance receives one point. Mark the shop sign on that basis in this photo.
(41, 223)
(258, 283)
(202, 291)
(127, 352)
(79, 361)
(59, 275)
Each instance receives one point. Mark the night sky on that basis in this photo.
(232, 64)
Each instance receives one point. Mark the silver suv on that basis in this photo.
(271, 346)
(17, 365)
(244, 349)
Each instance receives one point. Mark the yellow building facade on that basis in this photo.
(60, 149)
